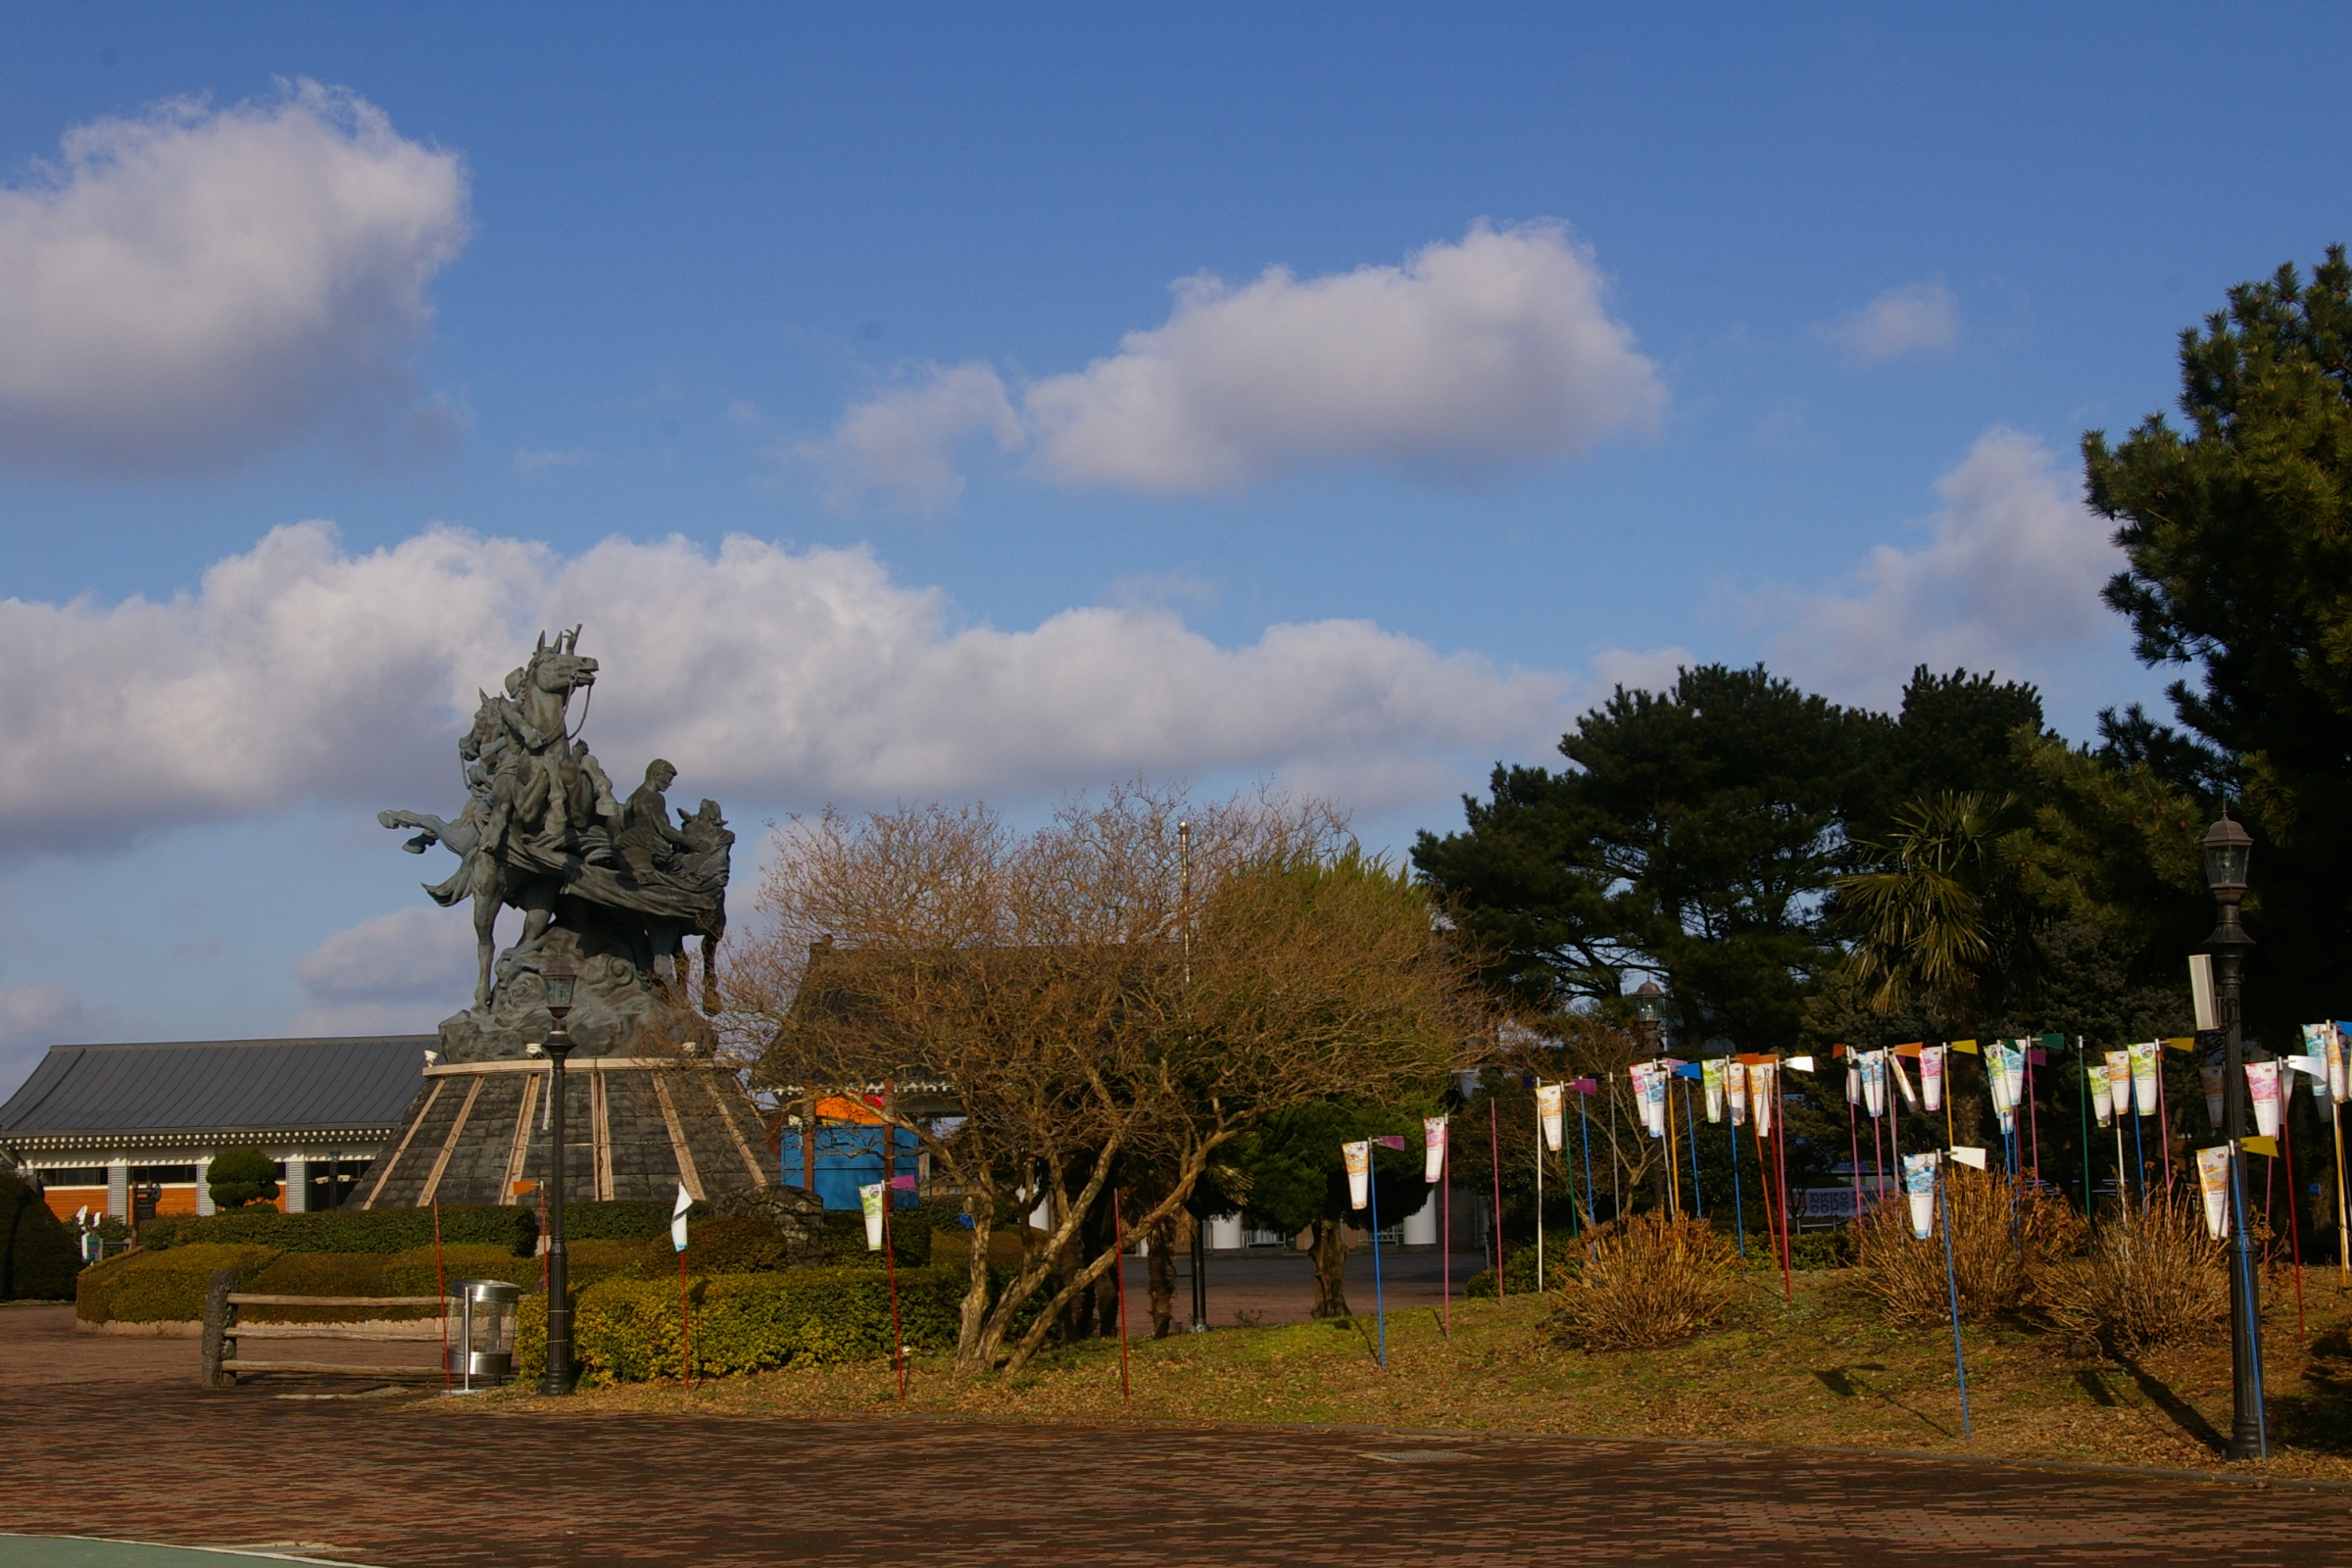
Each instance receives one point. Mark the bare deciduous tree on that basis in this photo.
(1102, 1009)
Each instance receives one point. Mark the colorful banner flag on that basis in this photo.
(1735, 1089)
(2144, 1067)
(677, 1218)
(2212, 1185)
(869, 1199)
(2119, 1081)
(2317, 1039)
(1711, 1079)
(1432, 1148)
(1358, 1156)
(2101, 1094)
(1854, 1077)
(2005, 1065)
(1649, 1093)
(1874, 1082)
(2262, 1087)
(1930, 1076)
(1760, 1077)
(2209, 1070)
(1919, 1186)
(1549, 1097)
(1903, 1079)
(2339, 1065)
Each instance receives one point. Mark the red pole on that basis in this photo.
(2033, 1111)
(1780, 1142)
(2294, 1226)
(890, 1256)
(441, 1288)
(1118, 1263)
(685, 1319)
(1495, 1136)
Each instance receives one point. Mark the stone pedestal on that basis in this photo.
(635, 1127)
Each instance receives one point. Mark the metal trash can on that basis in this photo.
(482, 1331)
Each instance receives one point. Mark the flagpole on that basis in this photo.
(1951, 1286)
(1780, 1144)
(1538, 1188)
(1379, 1310)
(1494, 1156)
(1739, 1208)
(1584, 1122)
(686, 1321)
(1446, 1220)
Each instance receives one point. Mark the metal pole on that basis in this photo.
(2248, 1439)
(1539, 1185)
(558, 1378)
(1200, 1274)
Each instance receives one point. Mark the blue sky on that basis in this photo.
(904, 400)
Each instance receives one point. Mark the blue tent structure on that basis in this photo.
(848, 1156)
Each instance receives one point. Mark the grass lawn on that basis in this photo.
(1824, 1370)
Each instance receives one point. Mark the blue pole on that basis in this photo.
(2140, 1154)
(1951, 1286)
(1698, 1204)
(1738, 1208)
(1380, 1311)
(2245, 1273)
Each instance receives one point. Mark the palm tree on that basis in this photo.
(1940, 920)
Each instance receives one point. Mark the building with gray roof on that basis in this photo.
(110, 1126)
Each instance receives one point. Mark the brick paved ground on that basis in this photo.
(110, 1436)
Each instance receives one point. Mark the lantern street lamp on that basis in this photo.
(2228, 846)
(1648, 1000)
(558, 1378)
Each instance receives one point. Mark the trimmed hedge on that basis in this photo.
(626, 1330)
(143, 1287)
(39, 1254)
(352, 1230)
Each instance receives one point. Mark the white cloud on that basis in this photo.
(528, 461)
(298, 672)
(902, 446)
(1495, 351)
(191, 288)
(1914, 319)
(2009, 580)
(399, 973)
(1650, 669)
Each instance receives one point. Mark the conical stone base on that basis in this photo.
(634, 1128)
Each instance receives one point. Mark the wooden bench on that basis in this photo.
(224, 1338)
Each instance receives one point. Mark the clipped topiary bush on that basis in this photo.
(1641, 1282)
(354, 1229)
(143, 1287)
(627, 1331)
(39, 1254)
(242, 1176)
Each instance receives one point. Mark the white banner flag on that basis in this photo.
(677, 1218)
(1358, 1156)
(1930, 1076)
(1432, 1148)
(1548, 1111)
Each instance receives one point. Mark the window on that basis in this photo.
(163, 1173)
(74, 1176)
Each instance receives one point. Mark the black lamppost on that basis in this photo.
(559, 1376)
(2228, 848)
(1648, 1000)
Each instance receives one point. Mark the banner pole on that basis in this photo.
(685, 1319)
(1780, 1142)
(1584, 1123)
(1951, 1286)
(1699, 1200)
(1538, 1108)
(441, 1288)
(1739, 1207)
(1380, 1309)
(1494, 1156)
(1446, 1218)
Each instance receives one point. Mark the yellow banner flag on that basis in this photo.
(1969, 1045)
(2260, 1146)
(2184, 1042)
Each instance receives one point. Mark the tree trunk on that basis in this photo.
(1330, 1268)
(1163, 1279)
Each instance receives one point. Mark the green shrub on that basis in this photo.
(2153, 1277)
(627, 1219)
(844, 1239)
(39, 1254)
(1822, 1250)
(628, 1330)
(716, 1246)
(242, 1176)
(144, 1287)
(352, 1230)
(2004, 1236)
